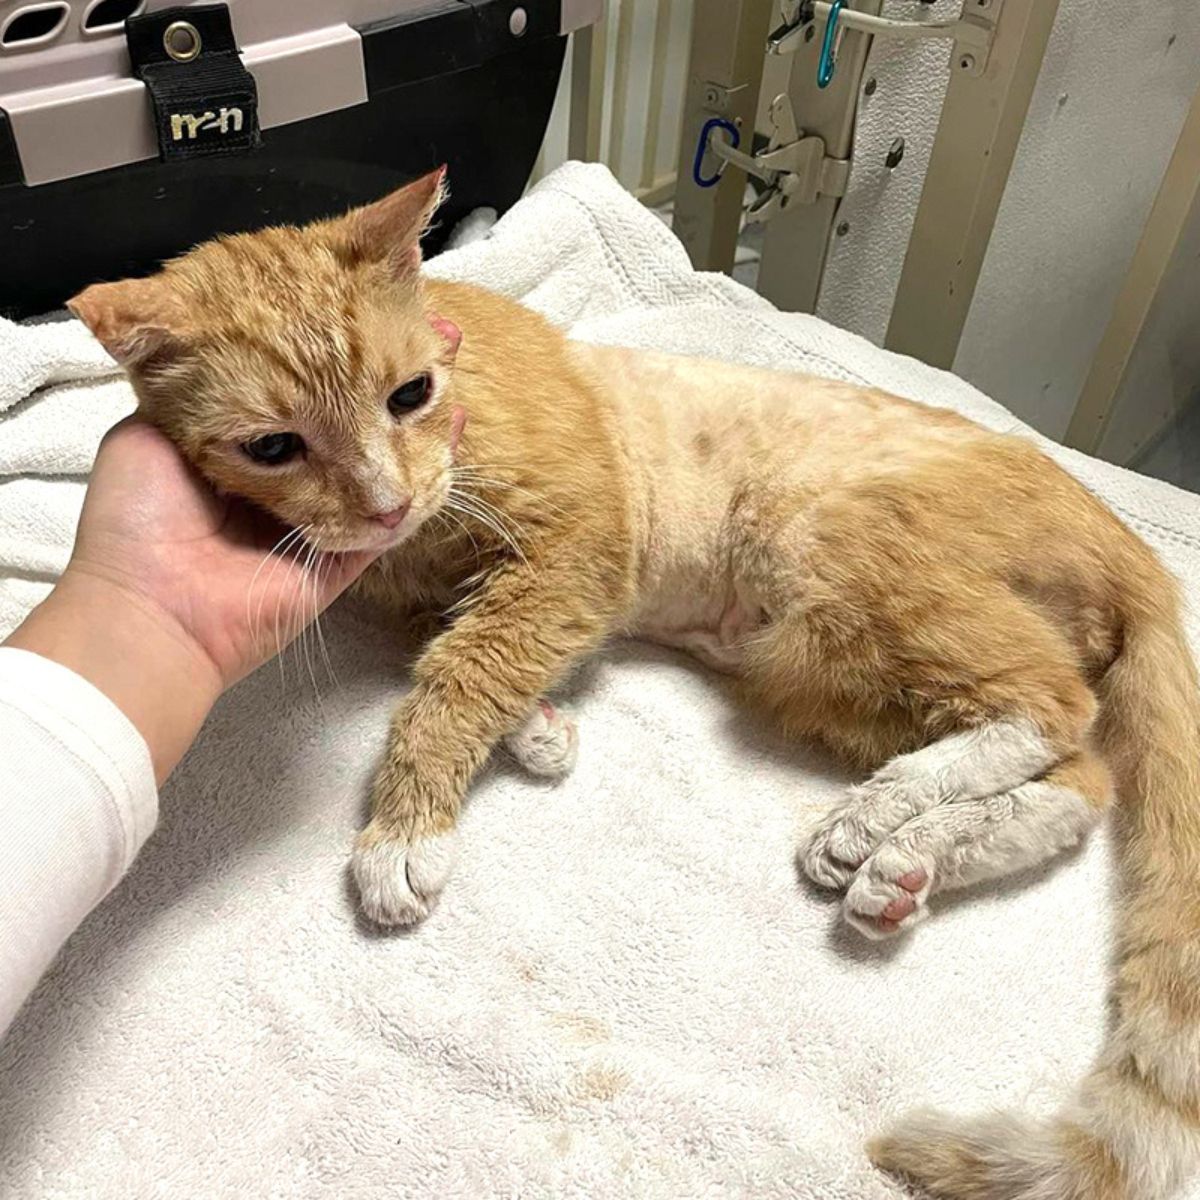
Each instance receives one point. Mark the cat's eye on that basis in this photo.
(274, 449)
(410, 395)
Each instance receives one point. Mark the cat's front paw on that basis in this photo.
(399, 879)
(547, 744)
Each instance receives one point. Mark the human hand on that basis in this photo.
(172, 592)
(152, 528)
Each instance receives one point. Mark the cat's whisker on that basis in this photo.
(277, 555)
(309, 597)
(254, 579)
(485, 520)
(273, 556)
(318, 569)
(468, 476)
(448, 515)
(471, 587)
(293, 553)
(302, 618)
(474, 468)
(438, 517)
(291, 625)
(490, 516)
(504, 518)
(324, 570)
(537, 498)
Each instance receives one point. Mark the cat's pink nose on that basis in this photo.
(389, 520)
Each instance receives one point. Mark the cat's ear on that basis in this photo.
(131, 319)
(390, 229)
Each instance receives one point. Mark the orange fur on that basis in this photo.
(877, 574)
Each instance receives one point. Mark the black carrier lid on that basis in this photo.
(451, 35)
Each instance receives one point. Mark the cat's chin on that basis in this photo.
(380, 542)
(376, 545)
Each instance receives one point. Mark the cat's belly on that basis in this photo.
(715, 630)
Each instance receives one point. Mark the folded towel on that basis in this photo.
(626, 990)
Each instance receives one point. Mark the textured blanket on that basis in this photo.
(626, 990)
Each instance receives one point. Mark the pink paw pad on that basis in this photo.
(903, 906)
(881, 902)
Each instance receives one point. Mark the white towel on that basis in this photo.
(626, 991)
(59, 392)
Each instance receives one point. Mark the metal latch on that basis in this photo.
(795, 168)
(971, 33)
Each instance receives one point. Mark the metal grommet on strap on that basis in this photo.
(203, 99)
(181, 41)
(707, 181)
(827, 63)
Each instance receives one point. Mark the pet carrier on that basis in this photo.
(131, 130)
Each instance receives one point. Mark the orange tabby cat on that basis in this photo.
(937, 602)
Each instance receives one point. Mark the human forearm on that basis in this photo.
(140, 658)
(78, 802)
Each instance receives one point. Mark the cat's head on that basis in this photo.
(301, 368)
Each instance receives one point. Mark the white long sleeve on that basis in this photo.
(77, 800)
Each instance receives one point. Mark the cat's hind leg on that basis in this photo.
(961, 842)
(973, 763)
(971, 698)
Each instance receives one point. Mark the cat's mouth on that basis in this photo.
(351, 532)
(374, 537)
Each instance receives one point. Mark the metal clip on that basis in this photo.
(971, 33)
(794, 168)
(703, 145)
(830, 45)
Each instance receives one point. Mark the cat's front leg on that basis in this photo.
(407, 852)
(404, 858)
(478, 682)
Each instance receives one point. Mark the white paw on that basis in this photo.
(399, 882)
(547, 744)
(853, 830)
(888, 893)
(819, 861)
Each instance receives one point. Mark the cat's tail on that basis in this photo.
(1132, 1132)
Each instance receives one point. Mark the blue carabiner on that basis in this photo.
(827, 63)
(701, 146)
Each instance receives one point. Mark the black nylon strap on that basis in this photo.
(206, 106)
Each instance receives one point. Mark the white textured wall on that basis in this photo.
(1105, 114)
(863, 267)
(1109, 104)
